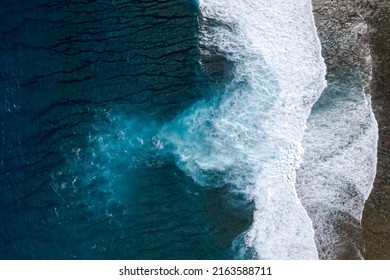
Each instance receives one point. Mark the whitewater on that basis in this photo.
(339, 165)
(249, 135)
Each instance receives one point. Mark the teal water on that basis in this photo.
(85, 88)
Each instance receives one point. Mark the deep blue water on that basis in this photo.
(85, 87)
(179, 129)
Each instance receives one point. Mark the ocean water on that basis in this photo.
(164, 130)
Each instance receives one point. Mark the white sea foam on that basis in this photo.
(339, 164)
(251, 137)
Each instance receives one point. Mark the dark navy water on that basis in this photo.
(178, 129)
(85, 87)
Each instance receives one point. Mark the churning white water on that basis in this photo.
(250, 135)
(339, 166)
